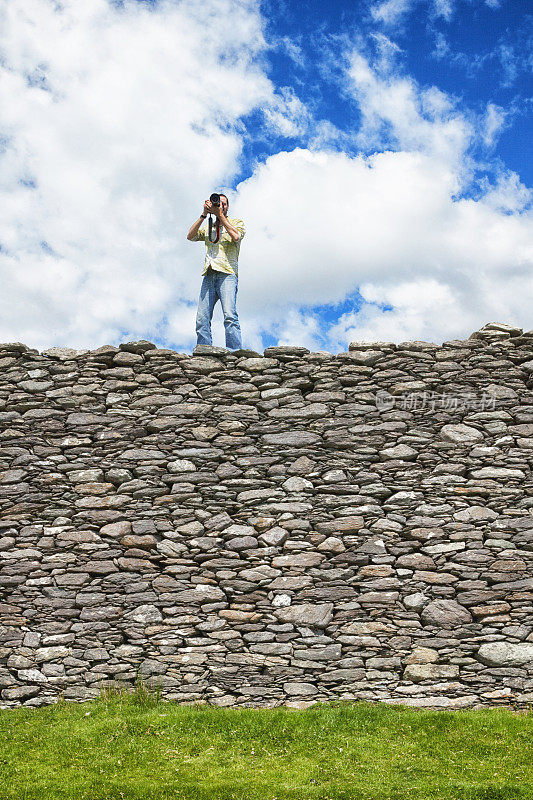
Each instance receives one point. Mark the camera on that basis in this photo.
(215, 199)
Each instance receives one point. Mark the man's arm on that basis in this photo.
(233, 232)
(191, 236)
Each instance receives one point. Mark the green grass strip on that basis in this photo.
(135, 747)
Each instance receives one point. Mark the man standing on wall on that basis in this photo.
(220, 274)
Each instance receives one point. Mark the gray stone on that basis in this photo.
(256, 364)
(505, 654)
(86, 419)
(296, 484)
(461, 434)
(422, 655)
(242, 543)
(401, 451)
(298, 561)
(138, 454)
(100, 567)
(86, 475)
(497, 472)
(181, 465)
(202, 593)
(475, 513)
(291, 439)
(341, 525)
(63, 353)
(307, 615)
(286, 583)
(142, 346)
(274, 537)
(416, 561)
(331, 545)
(145, 614)
(32, 676)
(116, 530)
(43, 654)
(496, 329)
(344, 676)
(282, 601)
(445, 614)
(299, 689)
(422, 672)
(330, 653)
(285, 350)
(170, 549)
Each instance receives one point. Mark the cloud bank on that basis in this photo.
(117, 121)
(394, 223)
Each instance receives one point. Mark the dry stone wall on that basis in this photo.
(248, 529)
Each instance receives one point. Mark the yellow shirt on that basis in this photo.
(224, 255)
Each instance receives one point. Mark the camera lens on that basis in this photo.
(215, 199)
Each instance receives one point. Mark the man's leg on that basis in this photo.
(228, 299)
(206, 304)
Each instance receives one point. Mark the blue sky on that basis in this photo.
(378, 152)
(478, 52)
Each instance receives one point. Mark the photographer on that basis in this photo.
(220, 273)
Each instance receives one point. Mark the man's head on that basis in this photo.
(224, 204)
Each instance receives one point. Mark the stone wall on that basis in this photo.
(257, 530)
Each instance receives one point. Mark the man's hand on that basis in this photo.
(209, 208)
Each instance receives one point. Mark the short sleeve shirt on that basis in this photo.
(224, 255)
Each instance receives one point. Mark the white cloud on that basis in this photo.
(510, 63)
(391, 12)
(286, 114)
(422, 309)
(443, 8)
(394, 107)
(322, 224)
(387, 50)
(493, 123)
(292, 50)
(119, 120)
(299, 326)
(391, 223)
(442, 48)
(507, 194)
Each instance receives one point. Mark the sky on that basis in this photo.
(378, 152)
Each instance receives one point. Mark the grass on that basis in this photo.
(132, 746)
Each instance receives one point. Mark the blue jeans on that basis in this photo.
(218, 286)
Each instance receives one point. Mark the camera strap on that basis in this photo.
(216, 231)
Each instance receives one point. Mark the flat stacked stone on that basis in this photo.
(265, 529)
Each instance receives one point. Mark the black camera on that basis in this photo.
(215, 199)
